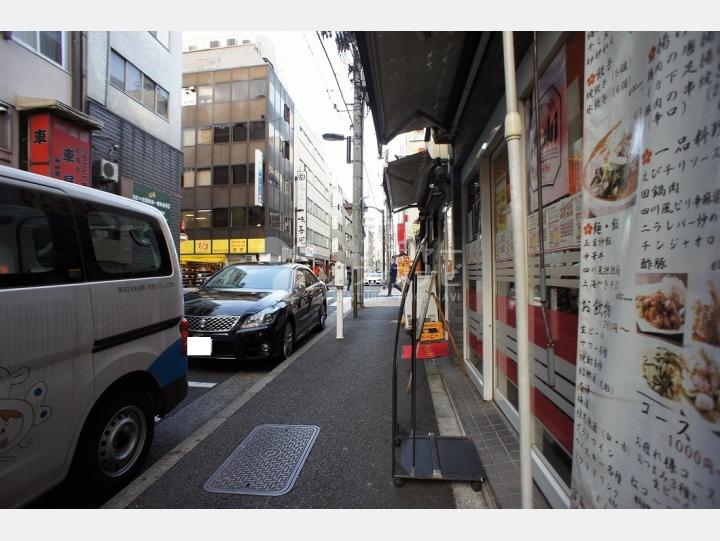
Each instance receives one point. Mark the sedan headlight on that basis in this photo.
(262, 318)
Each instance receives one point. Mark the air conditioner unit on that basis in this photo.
(231, 41)
(246, 42)
(105, 170)
(192, 48)
(214, 44)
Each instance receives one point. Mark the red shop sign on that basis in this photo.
(401, 237)
(59, 149)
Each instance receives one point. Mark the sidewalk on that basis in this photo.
(341, 386)
(344, 388)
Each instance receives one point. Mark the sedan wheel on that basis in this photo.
(322, 317)
(287, 340)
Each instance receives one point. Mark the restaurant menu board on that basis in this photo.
(503, 221)
(647, 414)
(561, 226)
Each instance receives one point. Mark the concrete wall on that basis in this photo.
(152, 58)
(26, 73)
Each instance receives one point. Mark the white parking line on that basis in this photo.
(202, 384)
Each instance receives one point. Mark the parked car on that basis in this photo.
(91, 335)
(373, 279)
(247, 311)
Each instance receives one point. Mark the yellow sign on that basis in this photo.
(187, 246)
(219, 258)
(238, 246)
(202, 247)
(220, 246)
(256, 246)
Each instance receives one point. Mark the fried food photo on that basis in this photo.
(706, 322)
(664, 310)
(701, 385)
(663, 372)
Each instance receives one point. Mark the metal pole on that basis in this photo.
(413, 342)
(340, 311)
(518, 206)
(384, 249)
(357, 186)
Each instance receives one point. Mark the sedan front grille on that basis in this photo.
(212, 323)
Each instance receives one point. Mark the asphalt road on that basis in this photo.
(206, 396)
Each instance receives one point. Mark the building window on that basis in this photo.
(222, 92)
(148, 97)
(202, 218)
(286, 113)
(189, 96)
(221, 134)
(163, 36)
(240, 91)
(256, 216)
(133, 81)
(188, 137)
(239, 174)
(257, 88)
(188, 218)
(129, 79)
(163, 102)
(51, 45)
(238, 217)
(117, 70)
(204, 94)
(188, 178)
(257, 130)
(220, 217)
(286, 149)
(202, 177)
(220, 175)
(205, 135)
(240, 132)
(251, 172)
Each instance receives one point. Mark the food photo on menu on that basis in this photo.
(612, 169)
(689, 375)
(660, 302)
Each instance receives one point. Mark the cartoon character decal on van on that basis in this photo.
(18, 416)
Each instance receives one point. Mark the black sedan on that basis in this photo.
(247, 311)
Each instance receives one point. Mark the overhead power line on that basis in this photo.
(334, 74)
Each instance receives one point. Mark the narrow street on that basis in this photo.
(212, 385)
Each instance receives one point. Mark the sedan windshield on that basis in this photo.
(252, 278)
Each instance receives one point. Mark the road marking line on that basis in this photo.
(202, 384)
(137, 487)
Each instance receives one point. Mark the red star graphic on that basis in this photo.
(591, 79)
(651, 54)
(588, 229)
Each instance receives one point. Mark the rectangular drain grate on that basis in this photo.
(266, 463)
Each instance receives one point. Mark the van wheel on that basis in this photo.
(115, 440)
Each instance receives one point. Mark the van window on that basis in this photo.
(38, 241)
(121, 244)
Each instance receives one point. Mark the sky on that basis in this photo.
(301, 65)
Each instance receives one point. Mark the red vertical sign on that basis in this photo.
(39, 144)
(401, 237)
(59, 149)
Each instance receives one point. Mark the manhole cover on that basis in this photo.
(266, 463)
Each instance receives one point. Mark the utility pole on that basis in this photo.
(357, 270)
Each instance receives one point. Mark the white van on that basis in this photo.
(92, 339)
